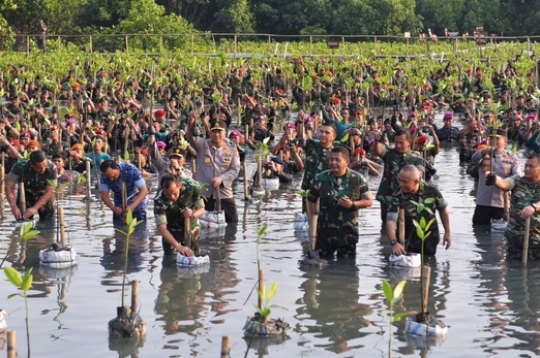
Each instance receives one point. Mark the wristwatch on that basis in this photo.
(533, 205)
(393, 242)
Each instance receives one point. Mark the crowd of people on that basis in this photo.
(195, 141)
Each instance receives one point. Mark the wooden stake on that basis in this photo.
(244, 168)
(525, 254)
(12, 344)
(259, 173)
(62, 226)
(194, 166)
(225, 346)
(401, 221)
(425, 288)
(134, 297)
(187, 231)
(88, 180)
(124, 196)
(22, 198)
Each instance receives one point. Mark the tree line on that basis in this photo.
(285, 17)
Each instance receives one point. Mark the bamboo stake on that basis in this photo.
(425, 288)
(194, 166)
(12, 344)
(259, 173)
(62, 226)
(187, 231)
(124, 196)
(525, 255)
(401, 221)
(244, 169)
(88, 180)
(22, 198)
(225, 346)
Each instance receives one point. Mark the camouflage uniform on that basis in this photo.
(317, 159)
(337, 227)
(393, 162)
(171, 213)
(402, 200)
(523, 194)
(34, 185)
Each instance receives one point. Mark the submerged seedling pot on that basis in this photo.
(425, 325)
(192, 261)
(269, 328)
(58, 257)
(410, 260)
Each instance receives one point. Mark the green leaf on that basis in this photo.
(262, 231)
(273, 290)
(387, 289)
(515, 148)
(420, 208)
(126, 156)
(428, 226)
(345, 138)
(422, 222)
(399, 289)
(429, 211)
(415, 223)
(265, 312)
(13, 276)
(13, 295)
(129, 217)
(27, 280)
(30, 234)
(420, 232)
(399, 316)
(429, 201)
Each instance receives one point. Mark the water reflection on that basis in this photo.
(114, 255)
(332, 311)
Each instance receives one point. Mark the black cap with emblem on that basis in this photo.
(218, 125)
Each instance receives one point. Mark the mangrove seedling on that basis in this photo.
(423, 228)
(392, 296)
(131, 223)
(26, 232)
(24, 283)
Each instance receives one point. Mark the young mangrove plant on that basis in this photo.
(392, 296)
(24, 283)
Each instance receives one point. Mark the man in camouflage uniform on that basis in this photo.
(394, 159)
(524, 203)
(178, 198)
(39, 177)
(413, 190)
(317, 155)
(341, 192)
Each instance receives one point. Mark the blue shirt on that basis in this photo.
(134, 180)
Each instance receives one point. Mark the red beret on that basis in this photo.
(160, 113)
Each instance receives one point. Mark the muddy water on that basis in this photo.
(490, 305)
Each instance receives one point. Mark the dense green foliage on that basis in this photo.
(389, 17)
